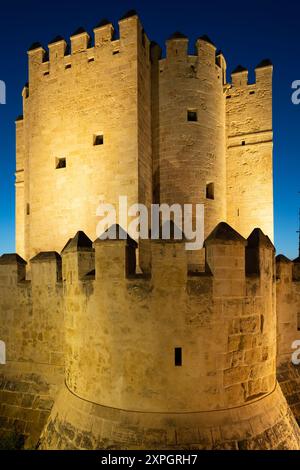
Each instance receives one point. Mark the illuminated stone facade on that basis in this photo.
(117, 119)
(107, 353)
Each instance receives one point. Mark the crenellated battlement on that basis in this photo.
(205, 61)
(82, 48)
(104, 39)
(104, 44)
(287, 271)
(228, 257)
(239, 78)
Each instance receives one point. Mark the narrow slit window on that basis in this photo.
(98, 140)
(178, 357)
(91, 59)
(61, 163)
(298, 321)
(116, 52)
(252, 93)
(192, 115)
(27, 209)
(210, 191)
(228, 97)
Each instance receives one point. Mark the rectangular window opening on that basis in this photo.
(178, 356)
(192, 115)
(98, 139)
(68, 66)
(252, 93)
(61, 163)
(27, 209)
(243, 142)
(228, 97)
(91, 59)
(210, 191)
(116, 52)
(298, 321)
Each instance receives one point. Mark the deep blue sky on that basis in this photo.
(245, 31)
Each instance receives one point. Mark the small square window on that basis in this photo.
(61, 163)
(192, 115)
(98, 140)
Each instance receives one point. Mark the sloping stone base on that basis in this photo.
(27, 394)
(77, 424)
(288, 376)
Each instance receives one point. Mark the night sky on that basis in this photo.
(247, 32)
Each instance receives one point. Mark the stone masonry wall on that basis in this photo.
(287, 306)
(266, 424)
(31, 325)
(27, 394)
(223, 323)
(115, 332)
(288, 330)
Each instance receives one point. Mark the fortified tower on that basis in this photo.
(100, 353)
(191, 163)
(249, 150)
(114, 118)
(85, 133)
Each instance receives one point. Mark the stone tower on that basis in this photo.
(85, 133)
(114, 118)
(100, 354)
(249, 150)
